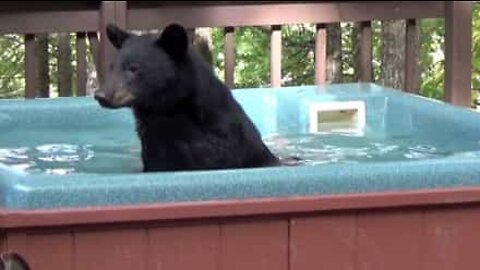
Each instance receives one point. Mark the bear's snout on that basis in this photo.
(101, 98)
(114, 99)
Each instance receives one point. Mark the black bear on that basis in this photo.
(186, 118)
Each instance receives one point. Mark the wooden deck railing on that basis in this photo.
(88, 19)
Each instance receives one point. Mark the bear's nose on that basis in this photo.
(101, 98)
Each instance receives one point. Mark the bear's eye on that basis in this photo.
(132, 68)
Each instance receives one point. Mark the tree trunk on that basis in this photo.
(65, 69)
(43, 67)
(334, 53)
(393, 54)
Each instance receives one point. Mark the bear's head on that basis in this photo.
(145, 70)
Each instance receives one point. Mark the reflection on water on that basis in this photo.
(110, 156)
(67, 158)
(338, 148)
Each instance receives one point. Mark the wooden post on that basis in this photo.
(43, 68)
(365, 72)
(31, 83)
(320, 54)
(276, 56)
(412, 43)
(81, 65)
(229, 57)
(458, 52)
(110, 12)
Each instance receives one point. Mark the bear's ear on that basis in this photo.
(116, 35)
(174, 41)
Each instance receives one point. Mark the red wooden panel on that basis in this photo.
(323, 243)
(50, 251)
(321, 54)
(452, 239)
(389, 240)
(3, 242)
(119, 249)
(254, 246)
(17, 242)
(235, 208)
(281, 13)
(192, 247)
(58, 21)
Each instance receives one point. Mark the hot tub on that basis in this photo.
(391, 191)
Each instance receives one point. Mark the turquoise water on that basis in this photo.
(67, 136)
(70, 151)
(344, 148)
(103, 151)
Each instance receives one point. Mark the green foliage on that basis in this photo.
(252, 66)
(11, 67)
(376, 50)
(432, 58)
(252, 59)
(53, 45)
(298, 65)
(218, 52)
(348, 51)
(476, 47)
